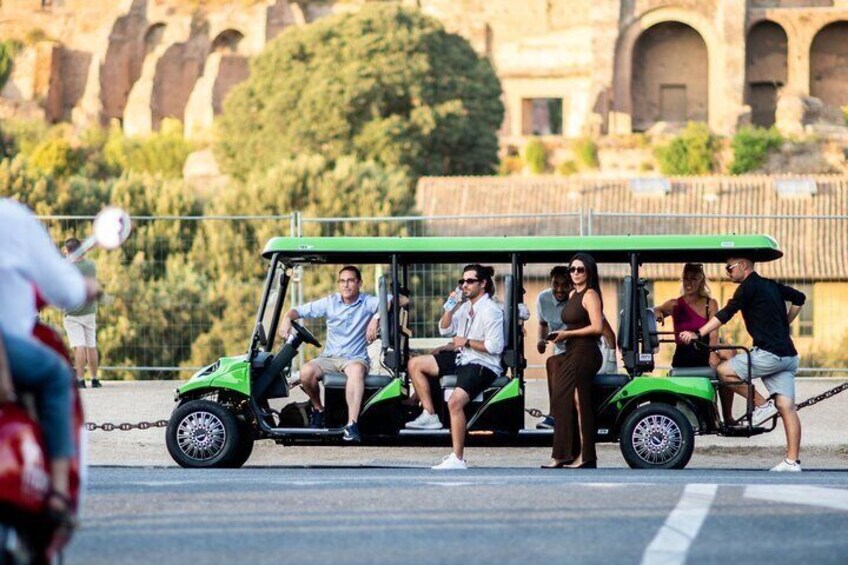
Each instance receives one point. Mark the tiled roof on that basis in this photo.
(812, 231)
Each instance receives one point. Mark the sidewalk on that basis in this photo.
(825, 435)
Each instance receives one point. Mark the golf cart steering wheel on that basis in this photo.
(304, 334)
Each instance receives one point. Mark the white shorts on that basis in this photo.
(336, 364)
(81, 330)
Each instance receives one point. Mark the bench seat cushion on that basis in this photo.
(339, 380)
(449, 381)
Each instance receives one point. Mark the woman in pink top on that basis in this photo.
(689, 312)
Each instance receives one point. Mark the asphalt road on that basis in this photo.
(372, 515)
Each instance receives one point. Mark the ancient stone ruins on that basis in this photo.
(568, 67)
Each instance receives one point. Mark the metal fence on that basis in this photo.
(184, 289)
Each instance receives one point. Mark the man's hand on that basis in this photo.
(459, 342)
(372, 330)
(541, 346)
(285, 327)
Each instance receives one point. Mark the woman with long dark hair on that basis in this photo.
(572, 385)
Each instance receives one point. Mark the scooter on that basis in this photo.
(27, 533)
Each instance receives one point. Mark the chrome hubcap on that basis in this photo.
(201, 435)
(657, 439)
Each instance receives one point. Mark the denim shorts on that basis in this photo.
(777, 373)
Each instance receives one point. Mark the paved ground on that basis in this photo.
(825, 436)
(492, 515)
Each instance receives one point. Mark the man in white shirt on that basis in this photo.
(30, 261)
(474, 357)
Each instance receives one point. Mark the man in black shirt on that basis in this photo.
(773, 358)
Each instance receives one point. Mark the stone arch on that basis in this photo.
(227, 42)
(621, 114)
(829, 64)
(766, 69)
(670, 77)
(153, 37)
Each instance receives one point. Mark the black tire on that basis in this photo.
(203, 434)
(657, 436)
(245, 446)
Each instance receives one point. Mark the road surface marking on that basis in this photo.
(811, 496)
(671, 544)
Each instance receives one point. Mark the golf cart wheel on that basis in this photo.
(657, 436)
(245, 446)
(202, 433)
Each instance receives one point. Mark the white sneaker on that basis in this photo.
(787, 466)
(451, 463)
(763, 413)
(425, 421)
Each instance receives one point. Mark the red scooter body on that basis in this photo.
(24, 471)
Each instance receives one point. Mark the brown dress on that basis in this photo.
(582, 360)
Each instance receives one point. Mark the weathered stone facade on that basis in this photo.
(568, 67)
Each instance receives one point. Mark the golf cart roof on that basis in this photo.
(604, 248)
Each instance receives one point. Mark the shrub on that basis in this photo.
(536, 156)
(690, 153)
(7, 54)
(751, 146)
(55, 156)
(566, 168)
(511, 165)
(586, 153)
(162, 153)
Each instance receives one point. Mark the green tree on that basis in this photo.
(536, 156)
(386, 84)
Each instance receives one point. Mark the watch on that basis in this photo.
(467, 343)
(698, 333)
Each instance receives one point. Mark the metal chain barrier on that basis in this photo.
(535, 412)
(125, 427)
(823, 396)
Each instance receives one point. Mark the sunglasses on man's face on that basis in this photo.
(729, 268)
(467, 281)
(580, 270)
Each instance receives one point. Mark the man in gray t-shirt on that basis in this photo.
(81, 324)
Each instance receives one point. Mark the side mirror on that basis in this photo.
(112, 227)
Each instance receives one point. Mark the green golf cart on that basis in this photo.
(654, 416)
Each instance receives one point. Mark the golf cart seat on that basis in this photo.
(339, 380)
(610, 380)
(449, 381)
(694, 372)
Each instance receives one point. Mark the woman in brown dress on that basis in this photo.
(572, 386)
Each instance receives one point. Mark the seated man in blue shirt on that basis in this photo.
(348, 313)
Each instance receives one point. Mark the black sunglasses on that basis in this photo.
(577, 270)
(468, 281)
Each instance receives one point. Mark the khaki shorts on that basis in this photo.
(81, 330)
(335, 364)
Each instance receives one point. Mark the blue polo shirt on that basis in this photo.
(346, 324)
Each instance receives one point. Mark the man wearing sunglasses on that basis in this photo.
(475, 358)
(774, 358)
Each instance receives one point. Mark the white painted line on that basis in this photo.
(672, 542)
(811, 496)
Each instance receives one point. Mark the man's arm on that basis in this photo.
(793, 312)
(544, 330)
(58, 281)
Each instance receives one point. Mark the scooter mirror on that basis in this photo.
(112, 227)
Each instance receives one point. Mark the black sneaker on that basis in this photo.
(316, 419)
(80, 383)
(95, 383)
(351, 433)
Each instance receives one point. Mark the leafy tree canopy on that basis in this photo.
(386, 84)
